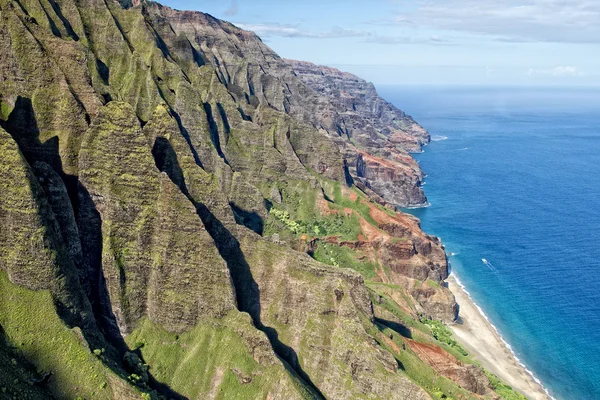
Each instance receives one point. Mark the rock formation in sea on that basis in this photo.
(184, 214)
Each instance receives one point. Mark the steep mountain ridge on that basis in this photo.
(379, 134)
(164, 176)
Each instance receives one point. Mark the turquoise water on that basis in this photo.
(514, 178)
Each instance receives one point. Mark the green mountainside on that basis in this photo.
(186, 215)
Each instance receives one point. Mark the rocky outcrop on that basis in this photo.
(468, 376)
(407, 256)
(366, 116)
(378, 135)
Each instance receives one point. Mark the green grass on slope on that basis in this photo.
(297, 212)
(297, 215)
(213, 361)
(504, 390)
(16, 376)
(431, 331)
(34, 329)
(357, 205)
(293, 219)
(438, 386)
(442, 333)
(344, 257)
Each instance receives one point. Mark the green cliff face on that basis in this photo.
(179, 219)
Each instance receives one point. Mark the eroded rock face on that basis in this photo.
(411, 258)
(157, 258)
(365, 113)
(377, 134)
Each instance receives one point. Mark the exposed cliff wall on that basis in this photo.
(163, 176)
(378, 135)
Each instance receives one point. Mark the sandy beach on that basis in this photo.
(480, 338)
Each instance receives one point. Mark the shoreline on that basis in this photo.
(480, 338)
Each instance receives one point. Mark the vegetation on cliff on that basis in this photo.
(181, 218)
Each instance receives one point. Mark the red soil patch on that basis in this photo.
(323, 207)
(369, 158)
(432, 354)
(467, 376)
(371, 233)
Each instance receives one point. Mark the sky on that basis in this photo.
(450, 42)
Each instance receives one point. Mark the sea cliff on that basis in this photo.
(185, 214)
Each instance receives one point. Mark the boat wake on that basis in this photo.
(438, 138)
(489, 264)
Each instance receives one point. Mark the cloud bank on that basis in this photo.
(292, 31)
(566, 21)
(268, 30)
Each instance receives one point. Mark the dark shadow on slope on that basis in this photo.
(119, 27)
(158, 40)
(53, 28)
(401, 329)
(250, 219)
(214, 131)
(381, 326)
(82, 299)
(349, 180)
(186, 136)
(165, 159)
(103, 71)
(198, 58)
(223, 115)
(65, 21)
(22, 126)
(246, 288)
(243, 114)
(16, 374)
(248, 291)
(90, 227)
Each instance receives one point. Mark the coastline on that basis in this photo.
(476, 334)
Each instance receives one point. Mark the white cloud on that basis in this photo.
(292, 31)
(570, 21)
(562, 71)
(379, 39)
(268, 30)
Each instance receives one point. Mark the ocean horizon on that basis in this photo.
(512, 182)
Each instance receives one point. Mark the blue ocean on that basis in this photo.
(513, 178)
